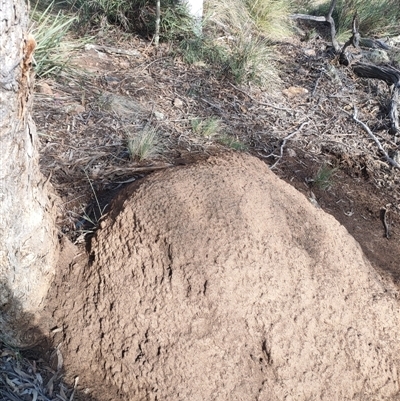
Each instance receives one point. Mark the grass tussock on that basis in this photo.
(207, 128)
(53, 51)
(324, 178)
(271, 17)
(144, 145)
(233, 43)
(251, 61)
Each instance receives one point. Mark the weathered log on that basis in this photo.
(385, 73)
(391, 76)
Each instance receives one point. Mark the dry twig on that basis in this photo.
(376, 140)
(284, 143)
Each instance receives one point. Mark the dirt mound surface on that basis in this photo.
(218, 281)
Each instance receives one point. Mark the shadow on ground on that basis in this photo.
(30, 365)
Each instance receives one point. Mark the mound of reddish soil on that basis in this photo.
(218, 281)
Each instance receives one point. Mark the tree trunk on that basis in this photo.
(28, 237)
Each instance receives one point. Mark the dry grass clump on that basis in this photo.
(208, 127)
(234, 43)
(271, 17)
(376, 18)
(145, 144)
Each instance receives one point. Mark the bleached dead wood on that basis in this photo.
(158, 17)
(327, 18)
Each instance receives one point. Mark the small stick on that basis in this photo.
(316, 84)
(212, 104)
(376, 140)
(384, 218)
(157, 33)
(284, 143)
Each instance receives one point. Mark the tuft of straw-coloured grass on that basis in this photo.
(271, 17)
(376, 18)
(251, 61)
(232, 41)
(144, 145)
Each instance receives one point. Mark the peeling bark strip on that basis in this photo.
(392, 77)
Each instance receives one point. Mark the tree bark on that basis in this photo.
(28, 237)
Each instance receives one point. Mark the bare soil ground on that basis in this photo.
(84, 122)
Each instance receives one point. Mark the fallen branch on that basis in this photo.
(375, 139)
(284, 143)
(327, 18)
(353, 41)
(111, 50)
(391, 76)
(384, 72)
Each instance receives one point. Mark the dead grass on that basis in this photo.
(145, 144)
